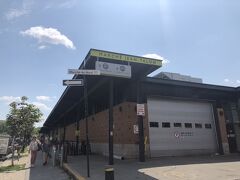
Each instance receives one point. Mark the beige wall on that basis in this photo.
(223, 131)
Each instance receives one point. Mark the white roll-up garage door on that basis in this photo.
(179, 127)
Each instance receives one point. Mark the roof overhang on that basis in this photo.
(72, 96)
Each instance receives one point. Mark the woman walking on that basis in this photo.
(33, 148)
(46, 151)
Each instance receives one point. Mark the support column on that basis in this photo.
(77, 136)
(64, 129)
(86, 121)
(110, 123)
(65, 146)
(140, 125)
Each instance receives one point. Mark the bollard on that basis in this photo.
(54, 156)
(65, 151)
(61, 156)
(109, 173)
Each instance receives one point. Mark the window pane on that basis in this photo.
(177, 124)
(166, 125)
(198, 125)
(208, 126)
(154, 124)
(188, 125)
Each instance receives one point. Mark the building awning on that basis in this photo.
(73, 96)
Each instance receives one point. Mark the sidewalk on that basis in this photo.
(13, 175)
(164, 168)
(48, 172)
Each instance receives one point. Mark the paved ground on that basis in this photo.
(13, 175)
(166, 168)
(48, 172)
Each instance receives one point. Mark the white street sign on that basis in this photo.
(135, 129)
(84, 71)
(73, 82)
(140, 110)
(111, 69)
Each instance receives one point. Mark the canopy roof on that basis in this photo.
(73, 96)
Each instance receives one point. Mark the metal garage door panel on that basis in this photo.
(181, 140)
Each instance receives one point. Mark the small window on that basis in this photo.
(208, 126)
(198, 125)
(154, 124)
(188, 125)
(166, 125)
(177, 124)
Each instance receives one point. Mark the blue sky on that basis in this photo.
(40, 40)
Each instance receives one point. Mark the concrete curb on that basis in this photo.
(72, 172)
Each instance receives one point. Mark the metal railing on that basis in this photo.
(68, 148)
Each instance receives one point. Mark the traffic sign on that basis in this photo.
(84, 71)
(73, 82)
(140, 110)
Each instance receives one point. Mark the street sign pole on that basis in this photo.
(86, 120)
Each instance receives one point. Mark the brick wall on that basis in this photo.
(70, 132)
(125, 118)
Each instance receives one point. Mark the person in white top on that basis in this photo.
(33, 148)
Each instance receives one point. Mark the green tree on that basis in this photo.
(36, 131)
(21, 119)
(3, 127)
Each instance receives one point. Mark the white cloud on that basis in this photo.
(60, 4)
(9, 99)
(42, 106)
(43, 98)
(156, 56)
(48, 35)
(24, 9)
(14, 13)
(230, 82)
(226, 80)
(67, 4)
(42, 47)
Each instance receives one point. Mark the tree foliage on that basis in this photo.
(3, 127)
(36, 131)
(21, 118)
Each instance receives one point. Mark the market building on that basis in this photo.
(180, 116)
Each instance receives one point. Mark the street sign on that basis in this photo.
(135, 129)
(73, 82)
(112, 69)
(140, 110)
(84, 71)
